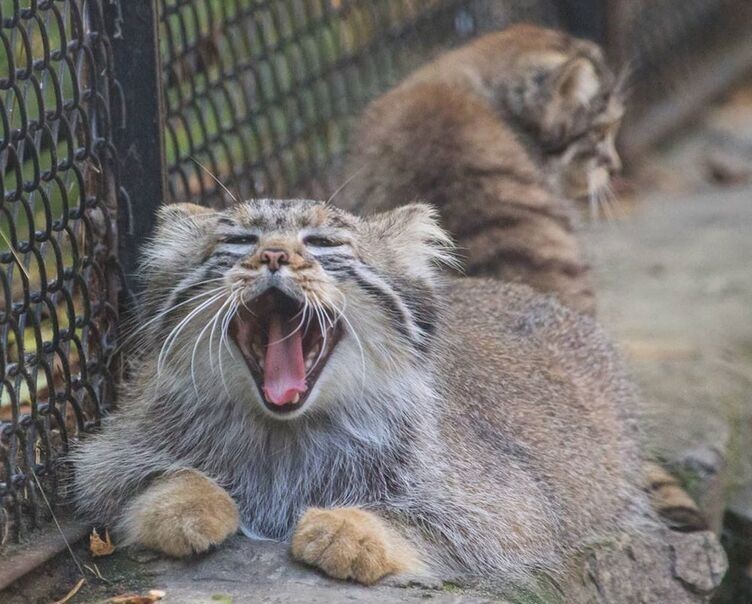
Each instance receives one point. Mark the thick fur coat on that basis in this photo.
(463, 426)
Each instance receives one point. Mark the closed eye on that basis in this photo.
(246, 239)
(319, 241)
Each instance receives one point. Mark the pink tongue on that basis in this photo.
(284, 369)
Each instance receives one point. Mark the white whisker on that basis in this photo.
(323, 330)
(215, 179)
(223, 338)
(193, 355)
(607, 210)
(294, 331)
(351, 329)
(215, 323)
(172, 336)
(339, 189)
(165, 312)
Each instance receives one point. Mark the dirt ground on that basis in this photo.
(674, 278)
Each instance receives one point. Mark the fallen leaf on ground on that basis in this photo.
(72, 592)
(153, 596)
(98, 546)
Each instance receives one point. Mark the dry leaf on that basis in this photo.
(98, 546)
(72, 592)
(150, 598)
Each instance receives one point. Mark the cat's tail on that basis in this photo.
(671, 502)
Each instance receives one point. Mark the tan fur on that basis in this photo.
(181, 514)
(469, 132)
(459, 134)
(672, 503)
(460, 427)
(349, 543)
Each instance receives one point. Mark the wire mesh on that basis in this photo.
(261, 93)
(58, 269)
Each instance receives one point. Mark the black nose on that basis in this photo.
(274, 258)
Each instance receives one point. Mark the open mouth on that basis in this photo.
(285, 351)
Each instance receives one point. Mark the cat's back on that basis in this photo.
(521, 358)
(440, 138)
(513, 316)
(527, 384)
(421, 141)
(517, 370)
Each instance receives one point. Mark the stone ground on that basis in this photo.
(674, 276)
(675, 284)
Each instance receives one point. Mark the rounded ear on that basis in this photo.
(179, 239)
(576, 82)
(176, 218)
(413, 234)
(166, 213)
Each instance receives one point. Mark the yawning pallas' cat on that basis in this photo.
(307, 374)
(500, 135)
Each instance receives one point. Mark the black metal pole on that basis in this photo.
(138, 135)
(585, 18)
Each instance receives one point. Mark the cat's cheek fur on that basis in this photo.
(350, 543)
(180, 514)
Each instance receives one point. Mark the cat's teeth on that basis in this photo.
(311, 357)
(296, 399)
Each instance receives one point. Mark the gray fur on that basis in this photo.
(501, 449)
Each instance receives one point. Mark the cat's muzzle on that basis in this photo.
(286, 345)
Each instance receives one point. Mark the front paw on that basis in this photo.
(348, 543)
(181, 514)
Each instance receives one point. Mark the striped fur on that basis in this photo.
(459, 427)
(499, 135)
(672, 502)
(343, 263)
(481, 134)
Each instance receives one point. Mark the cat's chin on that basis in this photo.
(285, 349)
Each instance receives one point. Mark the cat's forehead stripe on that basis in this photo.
(288, 214)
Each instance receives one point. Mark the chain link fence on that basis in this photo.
(261, 94)
(59, 277)
(110, 107)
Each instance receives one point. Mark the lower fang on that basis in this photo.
(296, 400)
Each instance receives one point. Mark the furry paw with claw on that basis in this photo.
(348, 543)
(181, 514)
